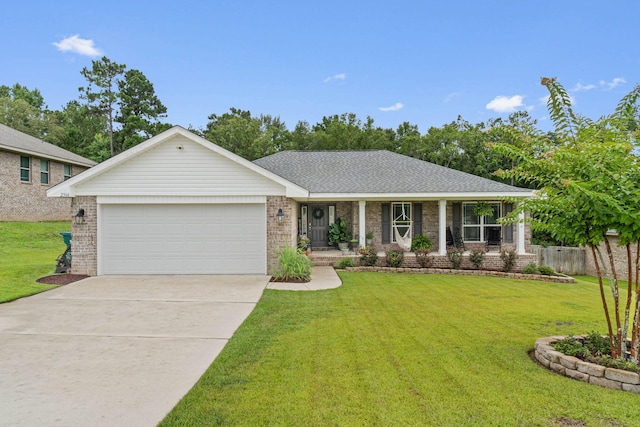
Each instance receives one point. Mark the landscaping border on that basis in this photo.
(580, 370)
(492, 273)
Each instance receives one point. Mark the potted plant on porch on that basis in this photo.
(338, 234)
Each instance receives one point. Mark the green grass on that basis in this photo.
(28, 251)
(398, 350)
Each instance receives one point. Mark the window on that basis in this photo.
(44, 171)
(67, 172)
(475, 227)
(400, 220)
(25, 169)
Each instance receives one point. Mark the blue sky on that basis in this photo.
(424, 62)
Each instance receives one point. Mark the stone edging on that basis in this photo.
(540, 277)
(580, 370)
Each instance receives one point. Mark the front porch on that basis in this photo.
(492, 260)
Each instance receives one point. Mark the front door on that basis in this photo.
(318, 224)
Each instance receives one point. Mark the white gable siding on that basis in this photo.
(179, 167)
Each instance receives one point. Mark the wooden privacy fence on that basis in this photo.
(562, 259)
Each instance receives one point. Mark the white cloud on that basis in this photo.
(336, 77)
(613, 83)
(580, 87)
(395, 107)
(505, 104)
(452, 96)
(77, 45)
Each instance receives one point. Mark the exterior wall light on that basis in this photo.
(280, 216)
(79, 217)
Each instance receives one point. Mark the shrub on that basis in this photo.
(477, 258)
(420, 243)
(508, 260)
(346, 262)
(303, 243)
(394, 258)
(338, 232)
(547, 271)
(572, 347)
(292, 265)
(597, 344)
(530, 268)
(455, 258)
(423, 258)
(368, 256)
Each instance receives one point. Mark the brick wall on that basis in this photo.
(27, 201)
(280, 235)
(84, 237)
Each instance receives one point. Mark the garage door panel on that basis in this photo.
(183, 239)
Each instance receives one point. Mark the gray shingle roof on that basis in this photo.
(375, 171)
(16, 141)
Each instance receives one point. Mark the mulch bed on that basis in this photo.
(61, 279)
(290, 280)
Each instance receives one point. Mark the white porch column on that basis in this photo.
(442, 227)
(520, 242)
(362, 227)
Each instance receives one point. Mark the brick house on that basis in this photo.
(28, 167)
(179, 204)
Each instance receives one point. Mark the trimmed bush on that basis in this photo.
(368, 256)
(455, 258)
(530, 268)
(477, 259)
(394, 258)
(420, 243)
(346, 262)
(546, 270)
(508, 260)
(424, 258)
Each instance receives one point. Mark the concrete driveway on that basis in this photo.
(115, 350)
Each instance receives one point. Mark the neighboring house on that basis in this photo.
(179, 204)
(28, 167)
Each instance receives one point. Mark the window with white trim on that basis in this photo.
(400, 219)
(44, 171)
(67, 172)
(475, 227)
(25, 169)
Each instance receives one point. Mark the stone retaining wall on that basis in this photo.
(580, 370)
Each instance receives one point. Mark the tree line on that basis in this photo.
(118, 108)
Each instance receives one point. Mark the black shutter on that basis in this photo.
(508, 229)
(416, 216)
(386, 223)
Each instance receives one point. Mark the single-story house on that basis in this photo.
(28, 167)
(179, 204)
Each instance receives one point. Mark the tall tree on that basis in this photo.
(82, 132)
(588, 178)
(139, 110)
(24, 109)
(101, 90)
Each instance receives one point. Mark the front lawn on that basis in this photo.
(398, 350)
(28, 251)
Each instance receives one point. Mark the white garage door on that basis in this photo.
(183, 239)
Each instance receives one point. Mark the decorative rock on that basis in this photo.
(576, 375)
(543, 360)
(591, 369)
(558, 368)
(569, 362)
(631, 388)
(622, 376)
(605, 383)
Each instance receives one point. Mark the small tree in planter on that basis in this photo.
(338, 234)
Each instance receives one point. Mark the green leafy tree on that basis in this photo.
(588, 179)
(24, 109)
(101, 91)
(139, 110)
(82, 133)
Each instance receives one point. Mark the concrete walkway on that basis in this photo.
(115, 350)
(321, 278)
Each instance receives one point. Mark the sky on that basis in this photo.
(423, 62)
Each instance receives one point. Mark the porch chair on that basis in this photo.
(452, 242)
(494, 238)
